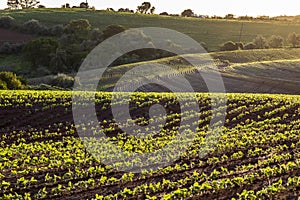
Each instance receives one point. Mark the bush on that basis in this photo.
(275, 41)
(57, 30)
(3, 85)
(11, 81)
(67, 39)
(260, 42)
(294, 39)
(229, 46)
(8, 48)
(63, 81)
(164, 13)
(34, 27)
(96, 34)
(58, 61)
(6, 22)
(249, 46)
(80, 26)
(87, 45)
(112, 30)
(240, 45)
(39, 51)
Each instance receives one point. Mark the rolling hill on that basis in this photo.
(251, 71)
(212, 32)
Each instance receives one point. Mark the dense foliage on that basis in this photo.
(10, 81)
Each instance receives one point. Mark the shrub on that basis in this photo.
(240, 45)
(59, 61)
(34, 27)
(57, 30)
(63, 81)
(249, 46)
(164, 13)
(6, 22)
(3, 85)
(39, 51)
(11, 81)
(8, 48)
(275, 41)
(294, 39)
(260, 42)
(80, 26)
(112, 30)
(96, 34)
(229, 46)
(87, 45)
(67, 39)
(5, 48)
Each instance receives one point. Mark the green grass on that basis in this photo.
(212, 32)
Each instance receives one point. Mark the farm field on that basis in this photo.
(256, 157)
(212, 32)
(268, 71)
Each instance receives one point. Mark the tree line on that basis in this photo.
(260, 42)
(144, 8)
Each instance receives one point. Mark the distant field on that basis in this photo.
(212, 32)
(251, 71)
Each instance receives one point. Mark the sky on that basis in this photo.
(204, 7)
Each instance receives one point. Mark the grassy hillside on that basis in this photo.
(251, 71)
(212, 32)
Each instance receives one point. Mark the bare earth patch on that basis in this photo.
(13, 37)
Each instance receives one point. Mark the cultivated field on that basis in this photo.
(248, 71)
(256, 157)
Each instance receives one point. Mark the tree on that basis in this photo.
(294, 39)
(112, 30)
(34, 27)
(13, 4)
(79, 26)
(125, 10)
(84, 5)
(187, 13)
(164, 13)
(152, 10)
(229, 16)
(67, 5)
(144, 7)
(40, 51)
(26, 4)
(260, 42)
(275, 41)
